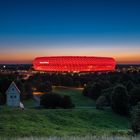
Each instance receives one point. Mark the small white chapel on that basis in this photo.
(13, 95)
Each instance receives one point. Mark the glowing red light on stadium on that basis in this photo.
(74, 63)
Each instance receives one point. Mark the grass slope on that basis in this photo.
(78, 138)
(60, 122)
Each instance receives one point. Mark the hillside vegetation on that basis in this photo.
(78, 138)
(60, 122)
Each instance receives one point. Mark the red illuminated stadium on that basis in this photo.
(74, 63)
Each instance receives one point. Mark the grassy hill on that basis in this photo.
(89, 137)
(61, 122)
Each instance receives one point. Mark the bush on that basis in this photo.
(50, 100)
(125, 77)
(135, 96)
(94, 90)
(130, 85)
(135, 122)
(66, 102)
(86, 90)
(120, 100)
(53, 100)
(100, 103)
(107, 94)
(2, 98)
(4, 84)
(25, 89)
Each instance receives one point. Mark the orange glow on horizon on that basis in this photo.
(122, 54)
(20, 60)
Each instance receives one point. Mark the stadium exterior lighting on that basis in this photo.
(74, 64)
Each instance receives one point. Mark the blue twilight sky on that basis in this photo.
(30, 28)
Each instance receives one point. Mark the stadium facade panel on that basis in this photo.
(74, 63)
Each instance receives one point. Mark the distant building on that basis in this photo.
(74, 64)
(13, 95)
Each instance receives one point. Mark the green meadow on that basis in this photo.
(80, 121)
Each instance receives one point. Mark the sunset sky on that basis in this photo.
(31, 28)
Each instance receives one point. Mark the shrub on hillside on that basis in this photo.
(135, 122)
(130, 86)
(120, 100)
(135, 96)
(50, 100)
(107, 94)
(2, 98)
(66, 102)
(86, 90)
(54, 100)
(125, 77)
(94, 90)
(4, 84)
(100, 103)
(28, 91)
(25, 89)
(104, 99)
